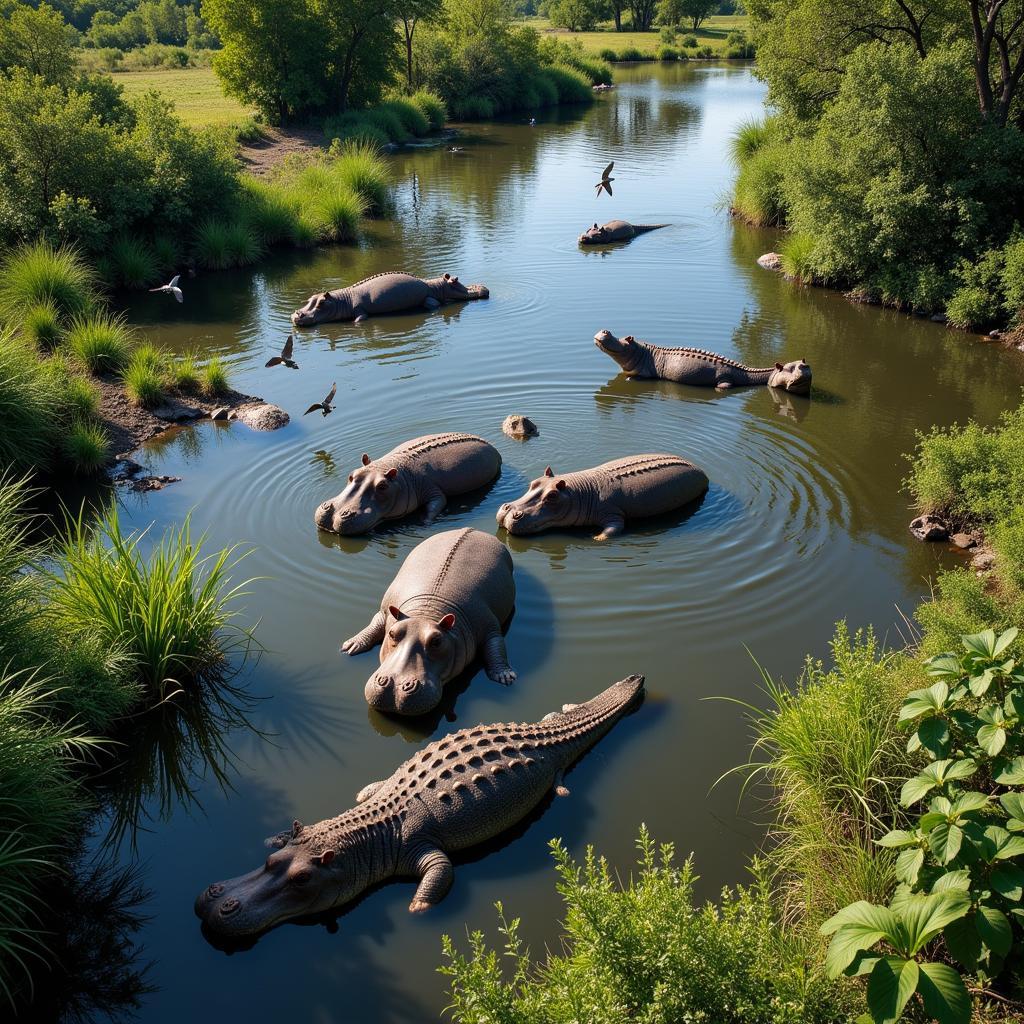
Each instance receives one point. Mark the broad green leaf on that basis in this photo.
(1013, 704)
(860, 912)
(963, 942)
(914, 743)
(928, 821)
(924, 702)
(994, 929)
(983, 643)
(969, 803)
(944, 841)
(940, 805)
(992, 714)
(998, 844)
(1008, 881)
(942, 665)
(847, 942)
(1012, 774)
(916, 789)
(863, 963)
(909, 864)
(1013, 804)
(962, 769)
(944, 993)
(897, 838)
(1013, 847)
(991, 739)
(979, 684)
(928, 915)
(959, 880)
(933, 735)
(892, 983)
(1004, 640)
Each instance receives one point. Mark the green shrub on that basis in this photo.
(387, 121)
(572, 85)
(705, 53)
(215, 378)
(690, 42)
(355, 126)
(41, 325)
(222, 244)
(101, 342)
(797, 252)
(758, 196)
(36, 273)
(413, 119)
(972, 308)
(166, 253)
(643, 947)
(81, 397)
(432, 106)
(86, 447)
(668, 53)
(631, 53)
(1012, 280)
(608, 54)
(133, 263)
(359, 169)
(474, 108)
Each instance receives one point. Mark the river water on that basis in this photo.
(804, 523)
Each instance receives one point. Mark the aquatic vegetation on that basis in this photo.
(41, 325)
(133, 263)
(166, 253)
(433, 107)
(30, 406)
(145, 376)
(101, 342)
(644, 942)
(750, 135)
(86, 447)
(221, 244)
(183, 371)
(668, 53)
(798, 262)
(573, 86)
(413, 120)
(37, 273)
(215, 378)
(268, 211)
(335, 216)
(360, 169)
(757, 195)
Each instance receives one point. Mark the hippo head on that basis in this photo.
(296, 880)
(453, 290)
(594, 235)
(794, 376)
(370, 496)
(519, 426)
(548, 502)
(318, 308)
(416, 658)
(625, 351)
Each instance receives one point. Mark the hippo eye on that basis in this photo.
(382, 485)
(551, 497)
(299, 878)
(350, 478)
(434, 642)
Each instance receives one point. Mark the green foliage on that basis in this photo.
(675, 12)
(41, 325)
(144, 376)
(36, 273)
(359, 170)
(183, 371)
(414, 120)
(798, 257)
(81, 397)
(214, 378)
(1012, 281)
(86, 447)
(757, 196)
(576, 15)
(132, 262)
(668, 53)
(38, 41)
(644, 950)
(101, 342)
(631, 53)
(221, 244)
(29, 407)
(608, 54)
(433, 106)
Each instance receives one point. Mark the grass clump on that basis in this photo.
(37, 273)
(145, 376)
(413, 120)
(644, 943)
(133, 264)
(797, 252)
(668, 53)
(81, 397)
(30, 407)
(221, 244)
(432, 106)
(86, 447)
(41, 326)
(757, 196)
(359, 169)
(101, 342)
(214, 378)
(573, 86)
(183, 371)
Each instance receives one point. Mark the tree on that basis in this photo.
(675, 12)
(617, 7)
(997, 31)
(411, 13)
(642, 12)
(576, 15)
(39, 41)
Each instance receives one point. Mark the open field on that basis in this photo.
(196, 94)
(712, 33)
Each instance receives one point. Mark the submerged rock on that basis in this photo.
(263, 416)
(770, 261)
(174, 411)
(964, 540)
(929, 527)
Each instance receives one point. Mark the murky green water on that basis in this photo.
(804, 522)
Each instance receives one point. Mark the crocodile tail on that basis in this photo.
(612, 702)
(640, 228)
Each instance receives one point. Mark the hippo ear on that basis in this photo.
(455, 279)
(391, 473)
(446, 622)
(366, 459)
(325, 858)
(447, 277)
(394, 612)
(629, 339)
(549, 471)
(561, 485)
(778, 366)
(297, 828)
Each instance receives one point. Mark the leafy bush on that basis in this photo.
(36, 273)
(608, 54)
(631, 53)
(86, 447)
(101, 342)
(1013, 280)
(432, 106)
(705, 53)
(667, 53)
(972, 308)
(643, 949)
(689, 42)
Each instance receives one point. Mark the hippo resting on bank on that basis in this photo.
(447, 603)
(455, 793)
(385, 293)
(424, 471)
(615, 231)
(700, 368)
(605, 496)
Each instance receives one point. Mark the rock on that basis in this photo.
(125, 468)
(519, 427)
(174, 411)
(770, 261)
(151, 483)
(929, 527)
(263, 416)
(220, 413)
(964, 540)
(983, 560)
(995, 334)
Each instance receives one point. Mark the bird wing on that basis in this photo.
(176, 292)
(608, 187)
(608, 170)
(330, 397)
(273, 361)
(312, 408)
(174, 280)
(286, 352)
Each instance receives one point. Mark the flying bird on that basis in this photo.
(325, 406)
(605, 182)
(171, 288)
(286, 356)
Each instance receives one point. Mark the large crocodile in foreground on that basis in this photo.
(615, 231)
(425, 471)
(448, 601)
(385, 293)
(605, 496)
(457, 792)
(695, 366)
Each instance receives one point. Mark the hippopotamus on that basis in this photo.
(449, 601)
(697, 367)
(605, 496)
(615, 231)
(385, 293)
(424, 471)
(459, 791)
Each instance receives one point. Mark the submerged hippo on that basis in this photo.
(453, 794)
(700, 368)
(448, 602)
(385, 293)
(605, 496)
(615, 231)
(424, 471)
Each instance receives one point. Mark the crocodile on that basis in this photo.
(615, 231)
(456, 793)
(448, 601)
(389, 292)
(698, 367)
(426, 471)
(605, 496)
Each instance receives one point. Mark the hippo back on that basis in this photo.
(389, 293)
(649, 485)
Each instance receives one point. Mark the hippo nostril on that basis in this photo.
(517, 514)
(215, 890)
(229, 906)
(383, 681)
(409, 685)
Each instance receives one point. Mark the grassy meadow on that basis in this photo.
(196, 93)
(712, 33)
